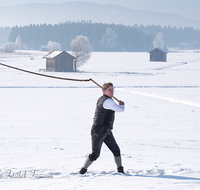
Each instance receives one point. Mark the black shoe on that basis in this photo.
(82, 171)
(120, 170)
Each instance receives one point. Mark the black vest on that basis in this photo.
(102, 116)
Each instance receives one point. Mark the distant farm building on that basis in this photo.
(59, 61)
(158, 54)
(44, 48)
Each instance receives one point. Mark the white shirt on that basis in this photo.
(109, 104)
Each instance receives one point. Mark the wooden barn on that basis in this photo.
(59, 61)
(158, 54)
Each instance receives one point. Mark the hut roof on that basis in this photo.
(158, 49)
(54, 54)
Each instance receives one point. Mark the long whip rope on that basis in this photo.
(61, 78)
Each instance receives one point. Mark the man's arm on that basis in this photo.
(111, 105)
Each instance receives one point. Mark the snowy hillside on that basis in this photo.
(45, 123)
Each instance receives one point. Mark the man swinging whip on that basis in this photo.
(102, 128)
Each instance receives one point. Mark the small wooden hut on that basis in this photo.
(59, 61)
(158, 54)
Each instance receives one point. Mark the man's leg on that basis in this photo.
(118, 161)
(87, 163)
(97, 141)
(112, 145)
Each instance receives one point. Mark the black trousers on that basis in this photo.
(98, 137)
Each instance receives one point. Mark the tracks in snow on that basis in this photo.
(162, 98)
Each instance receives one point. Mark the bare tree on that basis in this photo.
(158, 41)
(81, 50)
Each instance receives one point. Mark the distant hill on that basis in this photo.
(40, 13)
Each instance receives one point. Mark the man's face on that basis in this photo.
(109, 91)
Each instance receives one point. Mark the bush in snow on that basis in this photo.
(53, 46)
(8, 47)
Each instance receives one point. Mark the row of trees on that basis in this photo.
(107, 37)
(102, 37)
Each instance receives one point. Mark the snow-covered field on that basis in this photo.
(45, 123)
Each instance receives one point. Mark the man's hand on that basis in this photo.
(121, 103)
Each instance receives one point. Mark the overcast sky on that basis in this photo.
(186, 8)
